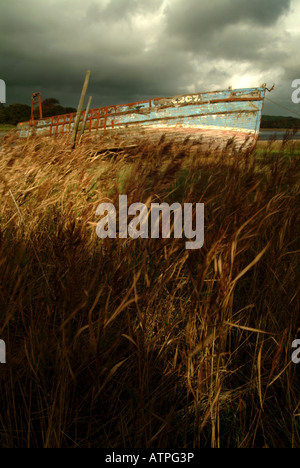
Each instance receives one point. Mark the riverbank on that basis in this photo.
(4, 129)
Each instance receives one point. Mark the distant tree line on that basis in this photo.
(15, 113)
(274, 121)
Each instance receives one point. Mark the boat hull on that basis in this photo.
(214, 118)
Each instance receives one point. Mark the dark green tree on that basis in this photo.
(15, 113)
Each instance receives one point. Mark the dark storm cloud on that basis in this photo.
(141, 48)
(51, 44)
(188, 18)
(118, 10)
(196, 25)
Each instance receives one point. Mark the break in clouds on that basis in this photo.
(138, 49)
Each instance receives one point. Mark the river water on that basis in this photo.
(278, 134)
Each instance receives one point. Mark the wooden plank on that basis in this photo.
(221, 115)
(85, 116)
(80, 106)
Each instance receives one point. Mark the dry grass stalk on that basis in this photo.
(140, 343)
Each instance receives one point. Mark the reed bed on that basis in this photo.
(139, 342)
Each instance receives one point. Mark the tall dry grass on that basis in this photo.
(142, 343)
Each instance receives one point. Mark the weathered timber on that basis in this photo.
(85, 116)
(80, 106)
(216, 118)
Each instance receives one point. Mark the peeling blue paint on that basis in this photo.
(237, 111)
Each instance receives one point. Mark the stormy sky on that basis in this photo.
(139, 49)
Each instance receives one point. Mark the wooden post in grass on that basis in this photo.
(85, 117)
(80, 106)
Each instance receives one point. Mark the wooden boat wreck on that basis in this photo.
(217, 119)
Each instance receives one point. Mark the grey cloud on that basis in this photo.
(118, 10)
(139, 48)
(194, 22)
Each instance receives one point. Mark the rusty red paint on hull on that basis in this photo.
(218, 117)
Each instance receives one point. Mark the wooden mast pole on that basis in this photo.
(80, 106)
(85, 117)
